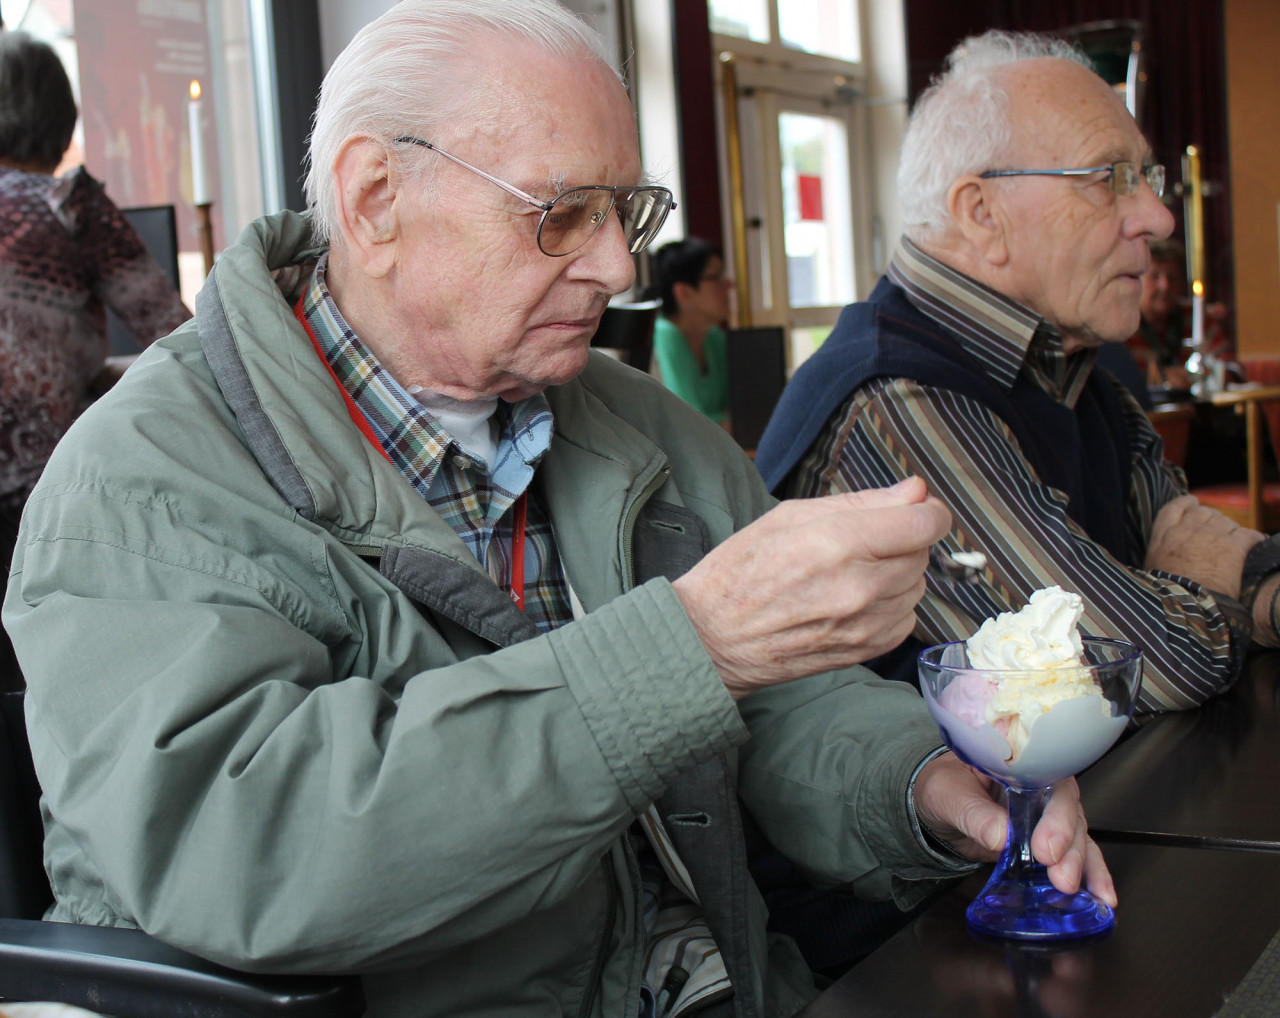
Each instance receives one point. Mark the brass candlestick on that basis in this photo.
(204, 223)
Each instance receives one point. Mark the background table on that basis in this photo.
(1256, 504)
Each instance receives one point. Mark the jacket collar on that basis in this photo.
(596, 476)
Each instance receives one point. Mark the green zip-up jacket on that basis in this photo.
(284, 720)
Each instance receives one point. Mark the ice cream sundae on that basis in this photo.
(1026, 671)
(1031, 702)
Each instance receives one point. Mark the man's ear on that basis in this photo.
(975, 209)
(683, 292)
(366, 200)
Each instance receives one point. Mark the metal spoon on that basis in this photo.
(962, 567)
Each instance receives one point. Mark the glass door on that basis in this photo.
(795, 153)
(817, 224)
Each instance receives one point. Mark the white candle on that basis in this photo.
(199, 179)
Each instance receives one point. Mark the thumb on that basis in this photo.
(987, 823)
(909, 491)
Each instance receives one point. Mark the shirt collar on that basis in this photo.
(410, 435)
(1003, 335)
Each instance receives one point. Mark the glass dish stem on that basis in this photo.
(1019, 901)
(1026, 806)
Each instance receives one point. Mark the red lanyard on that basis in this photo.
(517, 550)
(520, 507)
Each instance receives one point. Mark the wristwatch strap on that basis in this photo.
(1263, 560)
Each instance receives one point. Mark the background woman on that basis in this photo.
(689, 338)
(65, 253)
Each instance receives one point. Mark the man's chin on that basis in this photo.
(548, 377)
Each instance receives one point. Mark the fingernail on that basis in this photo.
(1057, 845)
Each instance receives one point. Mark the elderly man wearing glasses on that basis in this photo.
(373, 625)
(1029, 200)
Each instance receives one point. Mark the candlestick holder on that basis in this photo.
(204, 224)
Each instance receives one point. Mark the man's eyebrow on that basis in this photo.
(1146, 156)
(557, 183)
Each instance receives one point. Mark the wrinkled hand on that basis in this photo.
(1192, 540)
(954, 802)
(814, 584)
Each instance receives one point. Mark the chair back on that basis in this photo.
(757, 368)
(157, 225)
(627, 329)
(1173, 424)
(24, 887)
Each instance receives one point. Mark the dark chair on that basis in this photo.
(157, 225)
(627, 329)
(117, 971)
(757, 366)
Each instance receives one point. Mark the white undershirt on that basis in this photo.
(472, 424)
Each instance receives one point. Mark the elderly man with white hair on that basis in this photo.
(1029, 198)
(374, 625)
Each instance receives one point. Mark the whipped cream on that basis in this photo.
(1039, 656)
(1042, 635)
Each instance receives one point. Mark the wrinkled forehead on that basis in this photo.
(1062, 114)
(567, 111)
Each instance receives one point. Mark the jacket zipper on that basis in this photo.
(629, 523)
(611, 906)
(602, 951)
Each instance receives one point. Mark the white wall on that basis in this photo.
(340, 20)
(885, 52)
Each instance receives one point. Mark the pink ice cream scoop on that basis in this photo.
(967, 696)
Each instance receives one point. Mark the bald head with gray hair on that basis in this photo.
(400, 76)
(960, 123)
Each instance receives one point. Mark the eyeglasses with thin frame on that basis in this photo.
(1123, 177)
(572, 217)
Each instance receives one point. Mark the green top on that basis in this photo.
(709, 390)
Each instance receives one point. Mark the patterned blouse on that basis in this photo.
(66, 252)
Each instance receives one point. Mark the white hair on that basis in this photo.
(960, 123)
(399, 76)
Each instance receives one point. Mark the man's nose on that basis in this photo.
(606, 257)
(1152, 218)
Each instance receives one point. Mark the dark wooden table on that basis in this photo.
(1209, 776)
(1192, 923)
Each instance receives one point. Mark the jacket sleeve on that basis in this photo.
(826, 776)
(194, 736)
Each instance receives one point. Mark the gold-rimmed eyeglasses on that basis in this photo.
(1124, 177)
(572, 217)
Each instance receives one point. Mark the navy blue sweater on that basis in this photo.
(1082, 451)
